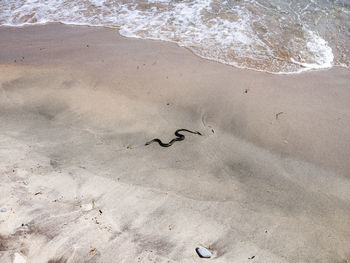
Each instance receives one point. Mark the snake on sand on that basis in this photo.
(180, 137)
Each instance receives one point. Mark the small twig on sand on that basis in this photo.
(278, 114)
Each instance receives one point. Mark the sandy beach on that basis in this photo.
(268, 180)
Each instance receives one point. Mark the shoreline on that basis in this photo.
(269, 178)
(305, 70)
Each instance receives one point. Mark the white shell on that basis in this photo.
(19, 258)
(87, 207)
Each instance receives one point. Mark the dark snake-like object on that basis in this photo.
(180, 137)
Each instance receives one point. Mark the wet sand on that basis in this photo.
(268, 181)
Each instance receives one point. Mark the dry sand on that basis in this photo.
(269, 180)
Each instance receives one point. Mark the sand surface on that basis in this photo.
(269, 180)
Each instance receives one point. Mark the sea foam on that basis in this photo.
(278, 36)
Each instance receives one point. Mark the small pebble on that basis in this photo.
(203, 252)
(3, 210)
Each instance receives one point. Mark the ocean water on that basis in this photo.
(277, 36)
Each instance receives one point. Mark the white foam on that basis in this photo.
(230, 32)
(320, 52)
